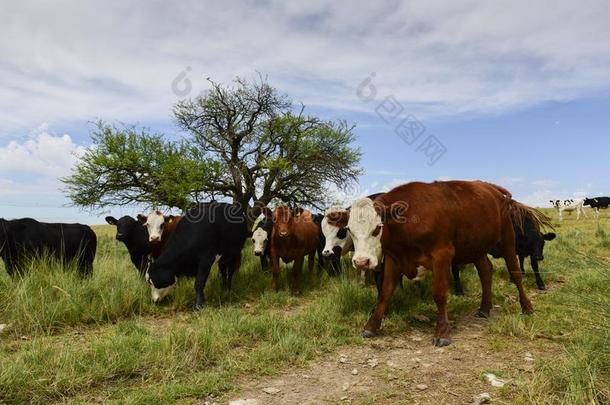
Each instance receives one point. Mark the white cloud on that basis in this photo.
(71, 60)
(38, 161)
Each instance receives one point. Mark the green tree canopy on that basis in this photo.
(245, 142)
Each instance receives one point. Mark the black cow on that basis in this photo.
(206, 231)
(135, 237)
(260, 241)
(530, 243)
(24, 239)
(597, 203)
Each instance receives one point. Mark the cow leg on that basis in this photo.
(441, 263)
(510, 258)
(233, 266)
(536, 269)
(522, 263)
(203, 271)
(560, 215)
(457, 282)
(485, 270)
(275, 270)
(264, 262)
(390, 280)
(222, 267)
(311, 261)
(335, 265)
(296, 275)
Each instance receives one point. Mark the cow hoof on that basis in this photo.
(198, 306)
(528, 311)
(367, 334)
(541, 287)
(481, 314)
(441, 342)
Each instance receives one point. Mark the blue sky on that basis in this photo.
(517, 93)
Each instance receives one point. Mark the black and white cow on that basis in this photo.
(260, 240)
(207, 231)
(569, 206)
(25, 239)
(135, 237)
(530, 243)
(335, 260)
(597, 203)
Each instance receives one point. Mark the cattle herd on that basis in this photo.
(414, 229)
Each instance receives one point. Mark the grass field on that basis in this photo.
(103, 340)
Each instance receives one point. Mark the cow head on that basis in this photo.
(365, 226)
(589, 201)
(283, 219)
(161, 282)
(538, 245)
(260, 238)
(125, 226)
(155, 222)
(335, 232)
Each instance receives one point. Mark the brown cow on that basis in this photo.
(294, 236)
(160, 227)
(434, 225)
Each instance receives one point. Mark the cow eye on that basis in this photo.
(342, 233)
(376, 231)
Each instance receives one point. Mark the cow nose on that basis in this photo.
(361, 262)
(326, 252)
(154, 239)
(258, 253)
(283, 234)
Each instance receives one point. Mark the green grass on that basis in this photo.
(103, 339)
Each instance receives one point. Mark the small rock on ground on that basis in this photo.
(271, 390)
(483, 398)
(421, 387)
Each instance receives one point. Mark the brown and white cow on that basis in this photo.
(294, 236)
(160, 227)
(434, 226)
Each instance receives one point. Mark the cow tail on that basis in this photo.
(519, 212)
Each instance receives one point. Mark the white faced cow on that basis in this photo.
(569, 206)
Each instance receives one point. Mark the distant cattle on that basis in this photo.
(530, 242)
(135, 237)
(293, 237)
(205, 232)
(261, 240)
(25, 239)
(160, 228)
(434, 226)
(597, 203)
(569, 206)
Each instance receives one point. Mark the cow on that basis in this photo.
(530, 241)
(335, 260)
(569, 206)
(597, 203)
(261, 237)
(293, 237)
(160, 228)
(435, 225)
(25, 239)
(136, 239)
(339, 242)
(206, 231)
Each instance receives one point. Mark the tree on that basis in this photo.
(245, 142)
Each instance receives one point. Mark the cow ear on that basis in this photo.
(267, 212)
(298, 211)
(549, 236)
(169, 218)
(111, 220)
(142, 219)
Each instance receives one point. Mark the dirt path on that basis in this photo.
(403, 369)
